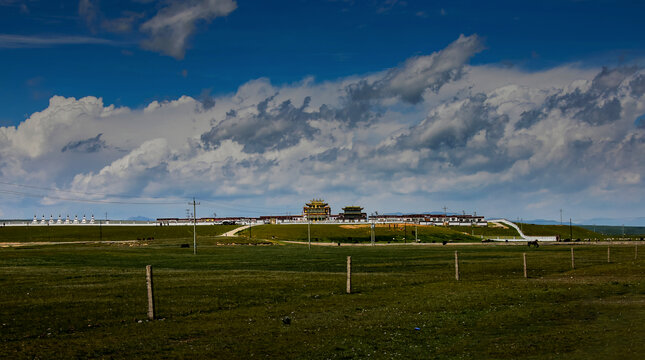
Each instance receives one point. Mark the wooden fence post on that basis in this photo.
(525, 272)
(573, 260)
(456, 266)
(151, 301)
(349, 274)
(635, 251)
(608, 255)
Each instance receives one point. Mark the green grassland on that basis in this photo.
(487, 231)
(562, 230)
(106, 232)
(630, 231)
(232, 302)
(393, 233)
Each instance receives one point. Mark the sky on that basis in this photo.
(504, 108)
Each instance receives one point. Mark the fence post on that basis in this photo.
(151, 302)
(635, 251)
(573, 260)
(456, 266)
(525, 272)
(349, 274)
(608, 255)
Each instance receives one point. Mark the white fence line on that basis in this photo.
(519, 231)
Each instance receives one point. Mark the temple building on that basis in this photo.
(352, 213)
(316, 210)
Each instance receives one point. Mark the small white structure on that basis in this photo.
(43, 221)
(92, 219)
(60, 219)
(84, 220)
(67, 220)
(51, 219)
(35, 220)
(75, 219)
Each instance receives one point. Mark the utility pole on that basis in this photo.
(405, 232)
(194, 204)
(372, 233)
(309, 232)
(570, 229)
(445, 215)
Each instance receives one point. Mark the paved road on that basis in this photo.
(235, 231)
(34, 243)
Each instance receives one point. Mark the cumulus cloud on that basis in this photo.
(171, 27)
(431, 72)
(139, 166)
(432, 131)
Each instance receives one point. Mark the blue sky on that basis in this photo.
(288, 40)
(495, 65)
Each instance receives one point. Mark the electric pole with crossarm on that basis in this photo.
(194, 204)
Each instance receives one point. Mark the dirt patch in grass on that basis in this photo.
(497, 225)
(353, 226)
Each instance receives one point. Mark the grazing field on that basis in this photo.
(487, 231)
(284, 301)
(63, 233)
(359, 233)
(629, 231)
(562, 230)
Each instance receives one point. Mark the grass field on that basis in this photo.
(106, 233)
(231, 302)
(630, 231)
(350, 233)
(562, 230)
(487, 231)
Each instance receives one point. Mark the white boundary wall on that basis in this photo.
(524, 237)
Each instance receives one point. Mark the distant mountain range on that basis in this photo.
(140, 218)
(635, 221)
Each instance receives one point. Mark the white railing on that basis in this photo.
(525, 237)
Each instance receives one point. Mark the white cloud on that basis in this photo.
(170, 28)
(428, 133)
(36, 41)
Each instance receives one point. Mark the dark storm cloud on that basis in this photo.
(596, 106)
(411, 79)
(270, 129)
(638, 86)
(528, 118)
(283, 125)
(600, 115)
(90, 145)
(609, 79)
(206, 101)
(440, 132)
